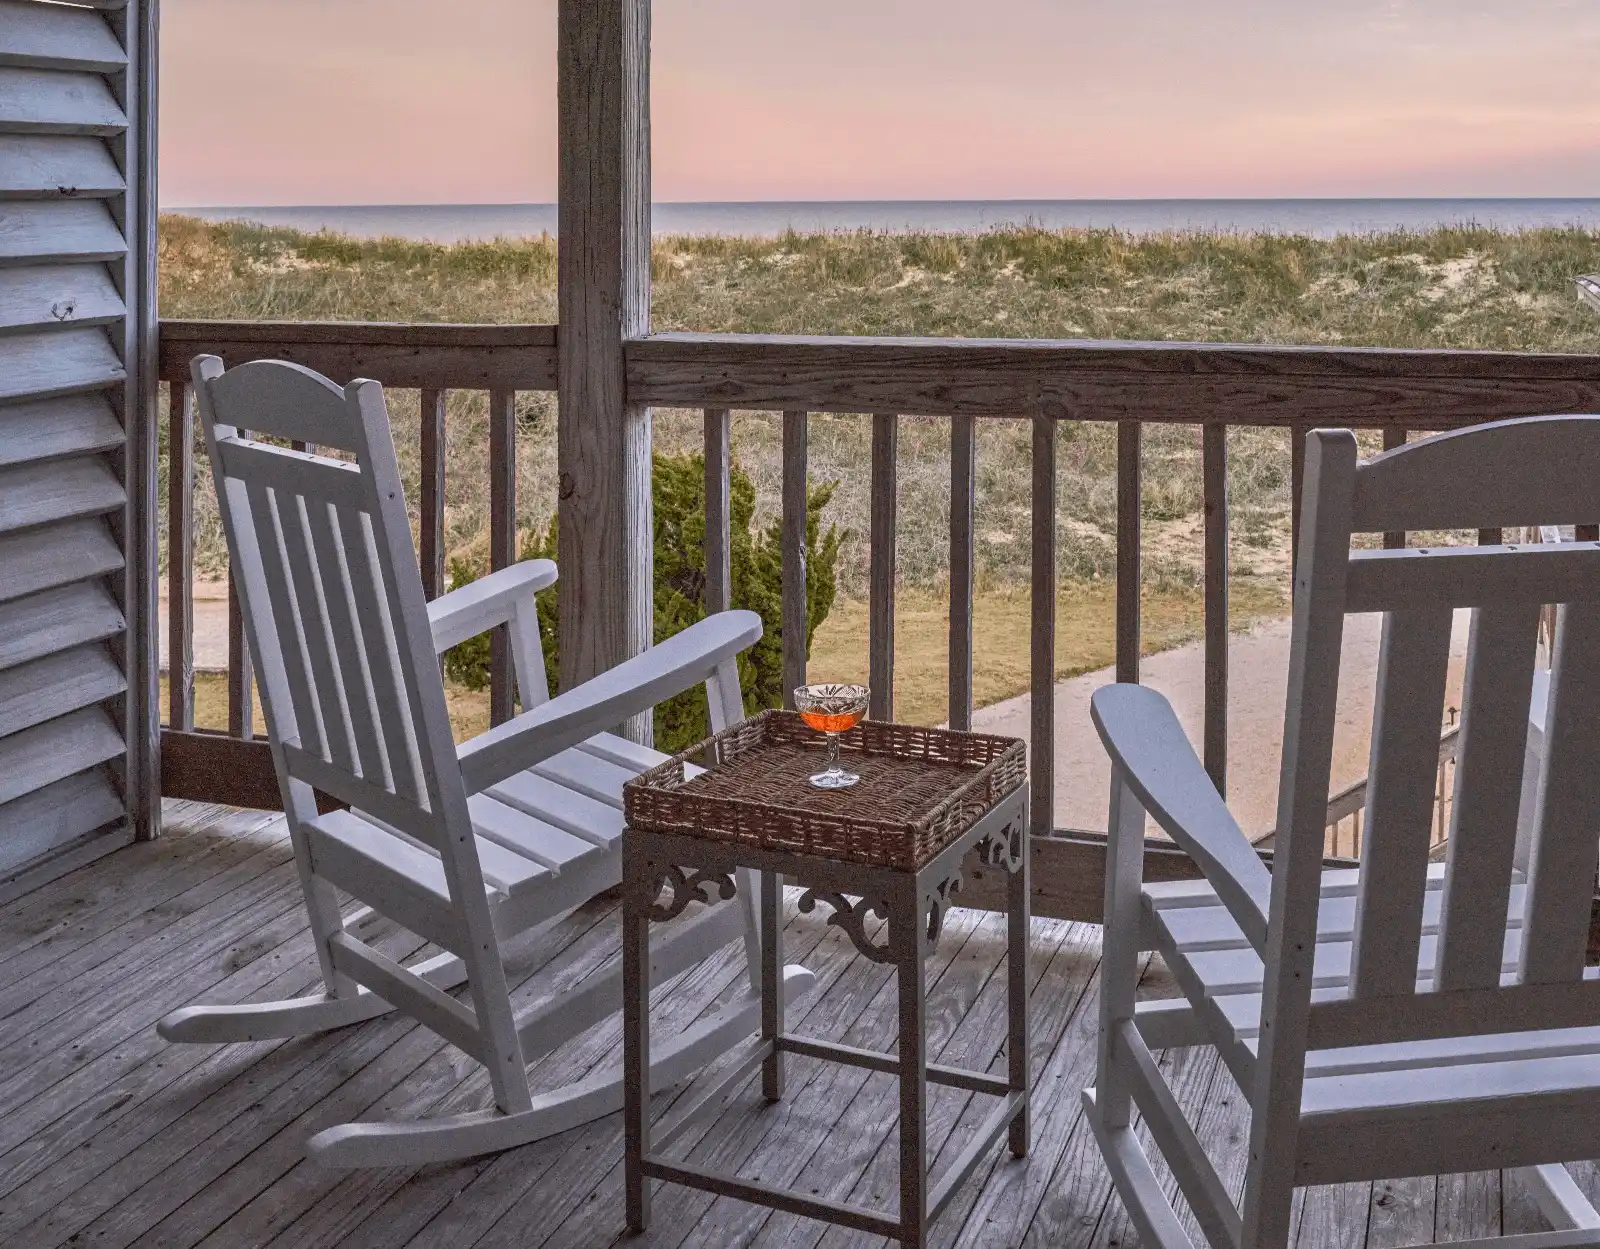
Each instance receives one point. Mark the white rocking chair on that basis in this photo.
(1405, 1018)
(463, 847)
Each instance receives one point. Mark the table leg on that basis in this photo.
(908, 939)
(635, 1055)
(772, 1003)
(1018, 923)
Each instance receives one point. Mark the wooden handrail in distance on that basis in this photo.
(431, 357)
(1185, 383)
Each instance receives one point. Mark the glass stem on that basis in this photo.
(833, 753)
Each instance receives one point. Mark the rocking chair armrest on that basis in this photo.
(1152, 754)
(487, 602)
(603, 701)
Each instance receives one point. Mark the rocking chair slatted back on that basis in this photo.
(1482, 842)
(1484, 977)
(1414, 656)
(1561, 871)
(344, 616)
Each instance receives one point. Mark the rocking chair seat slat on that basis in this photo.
(587, 774)
(527, 835)
(596, 822)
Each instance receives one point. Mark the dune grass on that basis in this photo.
(1455, 287)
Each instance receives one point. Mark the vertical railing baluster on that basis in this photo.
(963, 487)
(180, 558)
(719, 515)
(1394, 539)
(1214, 465)
(431, 509)
(880, 594)
(1297, 476)
(1042, 657)
(502, 537)
(794, 553)
(241, 709)
(1129, 490)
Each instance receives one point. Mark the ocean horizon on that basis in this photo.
(1320, 218)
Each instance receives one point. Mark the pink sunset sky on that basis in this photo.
(453, 101)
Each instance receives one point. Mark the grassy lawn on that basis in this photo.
(1002, 620)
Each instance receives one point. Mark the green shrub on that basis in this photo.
(678, 487)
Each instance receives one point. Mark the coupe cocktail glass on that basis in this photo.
(832, 709)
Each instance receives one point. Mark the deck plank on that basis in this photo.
(74, 955)
(145, 1084)
(1006, 1201)
(310, 1206)
(114, 889)
(110, 1136)
(444, 1088)
(1334, 1216)
(820, 1141)
(746, 1135)
(1467, 1206)
(563, 1183)
(955, 1115)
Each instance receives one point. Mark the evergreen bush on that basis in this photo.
(756, 560)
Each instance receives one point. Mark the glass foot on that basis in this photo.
(834, 780)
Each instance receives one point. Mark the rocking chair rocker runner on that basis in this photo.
(466, 846)
(1406, 1018)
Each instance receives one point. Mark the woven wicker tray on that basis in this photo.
(920, 789)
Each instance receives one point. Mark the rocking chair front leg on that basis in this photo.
(1119, 964)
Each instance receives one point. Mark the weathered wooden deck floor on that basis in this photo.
(110, 1137)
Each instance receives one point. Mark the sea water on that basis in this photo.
(1321, 218)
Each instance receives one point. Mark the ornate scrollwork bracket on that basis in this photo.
(935, 903)
(699, 885)
(851, 917)
(1004, 849)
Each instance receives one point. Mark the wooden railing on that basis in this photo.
(966, 380)
(1347, 809)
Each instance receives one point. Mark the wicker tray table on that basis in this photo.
(738, 814)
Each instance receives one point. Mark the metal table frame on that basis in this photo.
(689, 869)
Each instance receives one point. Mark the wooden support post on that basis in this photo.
(603, 442)
(1130, 488)
(180, 558)
(794, 553)
(880, 610)
(1214, 462)
(963, 487)
(431, 518)
(502, 539)
(1042, 660)
(142, 706)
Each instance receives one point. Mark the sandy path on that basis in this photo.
(1258, 675)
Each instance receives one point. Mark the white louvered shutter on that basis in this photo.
(68, 159)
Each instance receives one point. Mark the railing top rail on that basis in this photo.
(1242, 384)
(420, 355)
(1157, 355)
(1080, 379)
